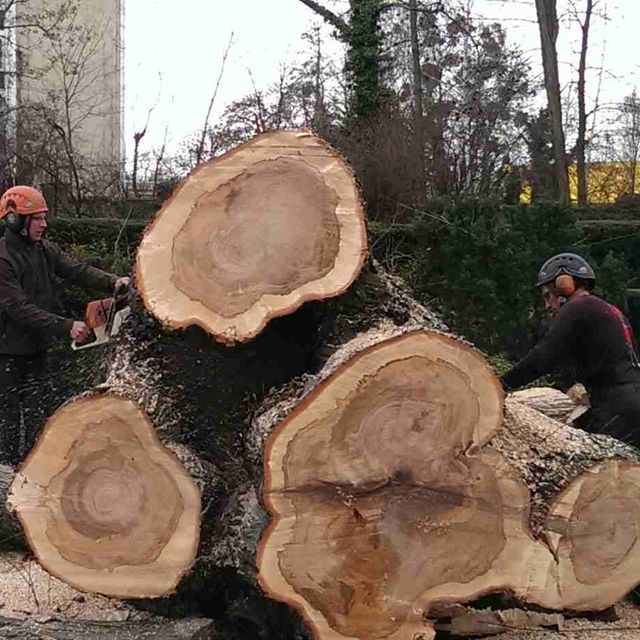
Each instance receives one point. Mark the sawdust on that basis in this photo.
(28, 592)
(626, 627)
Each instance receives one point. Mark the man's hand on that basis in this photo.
(123, 282)
(79, 330)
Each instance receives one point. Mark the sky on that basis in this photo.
(173, 53)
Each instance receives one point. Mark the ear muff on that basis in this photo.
(565, 285)
(15, 221)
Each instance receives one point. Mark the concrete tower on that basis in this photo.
(72, 78)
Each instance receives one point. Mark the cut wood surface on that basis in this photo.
(363, 475)
(104, 506)
(394, 485)
(252, 235)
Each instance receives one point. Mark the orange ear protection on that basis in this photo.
(565, 285)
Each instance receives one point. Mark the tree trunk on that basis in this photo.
(548, 25)
(582, 110)
(403, 455)
(253, 235)
(418, 98)
(393, 484)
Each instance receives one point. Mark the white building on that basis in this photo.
(64, 84)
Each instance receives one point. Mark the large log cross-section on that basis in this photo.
(104, 506)
(252, 235)
(396, 484)
(373, 494)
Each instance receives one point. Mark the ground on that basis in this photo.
(27, 592)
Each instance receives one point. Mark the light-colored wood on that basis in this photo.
(252, 235)
(395, 483)
(104, 506)
(552, 402)
(375, 491)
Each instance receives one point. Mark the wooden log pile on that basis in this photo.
(346, 470)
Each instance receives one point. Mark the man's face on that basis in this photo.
(37, 226)
(551, 301)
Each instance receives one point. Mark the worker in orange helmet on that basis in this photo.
(30, 313)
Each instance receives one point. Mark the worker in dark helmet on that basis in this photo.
(596, 338)
(30, 314)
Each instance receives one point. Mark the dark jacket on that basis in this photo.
(594, 336)
(29, 304)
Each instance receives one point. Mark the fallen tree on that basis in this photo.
(391, 481)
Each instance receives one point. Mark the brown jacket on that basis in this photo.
(29, 304)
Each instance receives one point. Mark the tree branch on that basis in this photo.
(328, 16)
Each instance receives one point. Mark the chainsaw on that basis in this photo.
(104, 318)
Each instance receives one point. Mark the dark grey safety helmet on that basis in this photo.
(569, 263)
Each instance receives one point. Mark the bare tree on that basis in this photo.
(548, 26)
(418, 94)
(66, 87)
(585, 24)
(630, 136)
(200, 148)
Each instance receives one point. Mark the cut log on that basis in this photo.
(252, 235)
(552, 402)
(360, 476)
(104, 506)
(393, 487)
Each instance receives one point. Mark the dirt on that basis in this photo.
(598, 627)
(28, 592)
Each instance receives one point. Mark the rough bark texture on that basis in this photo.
(551, 402)
(252, 235)
(10, 531)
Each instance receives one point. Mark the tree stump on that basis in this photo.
(252, 235)
(104, 506)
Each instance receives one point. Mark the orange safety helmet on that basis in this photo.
(18, 202)
(22, 200)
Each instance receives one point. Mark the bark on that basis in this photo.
(548, 26)
(418, 97)
(394, 485)
(458, 620)
(551, 402)
(252, 235)
(582, 110)
(10, 531)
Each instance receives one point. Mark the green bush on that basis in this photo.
(477, 261)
